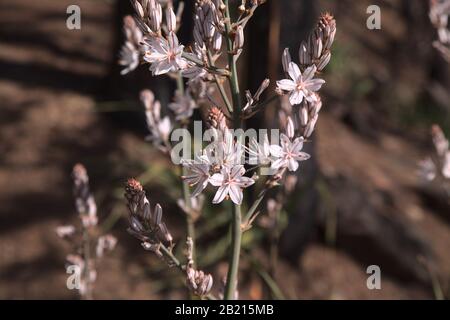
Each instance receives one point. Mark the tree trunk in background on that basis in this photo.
(286, 23)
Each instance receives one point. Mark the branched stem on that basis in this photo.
(220, 87)
(169, 256)
(233, 77)
(254, 206)
(199, 63)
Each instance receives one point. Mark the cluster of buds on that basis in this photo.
(198, 282)
(160, 43)
(84, 200)
(159, 128)
(303, 119)
(146, 224)
(85, 238)
(302, 87)
(317, 49)
(217, 119)
(208, 25)
(439, 13)
(150, 15)
(437, 167)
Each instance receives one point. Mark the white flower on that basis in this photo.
(230, 182)
(300, 85)
(199, 174)
(288, 154)
(183, 106)
(164, 55)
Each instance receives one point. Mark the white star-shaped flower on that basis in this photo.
(164, 55)
(300, 86)
(288, 154)
(199, 174)
(230, 183)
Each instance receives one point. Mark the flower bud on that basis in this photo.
(171, 19)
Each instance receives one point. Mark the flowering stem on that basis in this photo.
(233, 77)
(186, 192)
(199, 63)
(87, 262)
(260, 107)
(236, 231)
(220, 86)
(233, 267)
(169, 255)
(255, 205)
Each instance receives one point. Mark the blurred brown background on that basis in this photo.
(62, 101)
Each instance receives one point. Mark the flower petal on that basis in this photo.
(292, 165)
(296, 97)
(314, 84)
(294, 72)
(221, 194)
(200, 187)
(276, 151)
(244, 182)
(236, 194)
(286, 85)
(297, 145)
(302, 156)
(277, 164)
(309, 73)
(216, 179)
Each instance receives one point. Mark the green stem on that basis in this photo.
(87, 260)
(233, 78)
(220, 86)
(254, 206)
(199, 63)
(169, 255)
(186, 192)
(233, 268)
(236, 232)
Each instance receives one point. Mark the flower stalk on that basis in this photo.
(236, 231)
